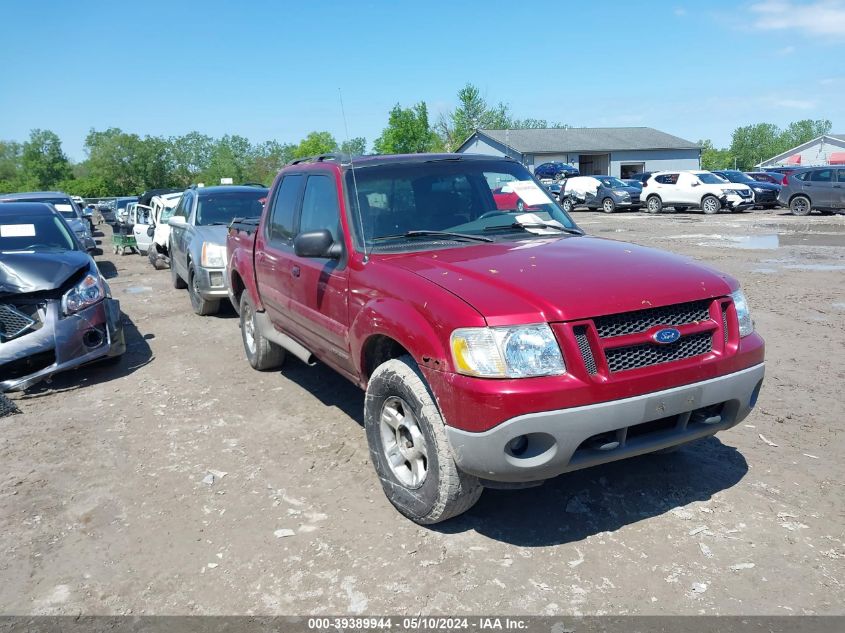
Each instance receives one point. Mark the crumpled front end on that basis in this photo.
(37, 340)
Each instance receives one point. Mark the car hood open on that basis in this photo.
(35, 272)
(564, 278)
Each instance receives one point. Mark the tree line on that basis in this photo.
(752, 144)
(120, 163)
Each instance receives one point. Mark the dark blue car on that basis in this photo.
(555, 171)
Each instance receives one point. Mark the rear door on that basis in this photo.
(665, 186)
(274, 251)
(320, 297)
(142, 223)
(819, 186)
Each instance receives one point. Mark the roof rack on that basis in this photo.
(320, 158)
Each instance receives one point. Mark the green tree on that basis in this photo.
(799, 132)
(407, 132)
(11, 166)
(43, 161)
(190, 156)
(473, 112)
(268, 158)
(712, 158)
(314, 144)
(354, 147)
(231, 157)
(525, 124)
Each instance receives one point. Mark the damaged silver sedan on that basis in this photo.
(56, 310)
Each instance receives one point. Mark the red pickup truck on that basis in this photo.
(498, 347)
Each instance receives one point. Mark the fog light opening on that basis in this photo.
(92, 338)
(517, 445)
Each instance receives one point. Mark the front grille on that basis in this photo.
(622, 358)
(725, 322)
(26, 366)
(642, 320)
(580, 332)
(13, 322)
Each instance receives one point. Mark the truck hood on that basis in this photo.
(564, 278)
(35, 272)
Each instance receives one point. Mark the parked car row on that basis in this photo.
(434, 283)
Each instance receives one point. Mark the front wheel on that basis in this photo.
(800, 205)
(408, 446)
(201, 306)
(654, 204)
(567, 205)
(608, 205)
(710, 205)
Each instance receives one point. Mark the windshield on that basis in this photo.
(610, 181)
(458, 196)
(738, 176)
(221, 208)
(711, 179)
(34, 233)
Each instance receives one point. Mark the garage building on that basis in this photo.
(828, 149)
(615, 151)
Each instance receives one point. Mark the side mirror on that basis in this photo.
(176, 220)
(696, 183)
(317, 244)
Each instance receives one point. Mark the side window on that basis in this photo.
(802, 176)
(183, 209)
(821, 175)
(667, 179)
(841, 173)
(320, 208)
(280, 228)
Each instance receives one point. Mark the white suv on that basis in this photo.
(701, 189)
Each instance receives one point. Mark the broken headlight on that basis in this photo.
(84, 294)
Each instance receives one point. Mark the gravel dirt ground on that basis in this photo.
(105, 505)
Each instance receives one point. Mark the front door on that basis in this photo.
(320, 298)
(839, 189)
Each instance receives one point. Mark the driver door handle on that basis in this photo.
(295, 271)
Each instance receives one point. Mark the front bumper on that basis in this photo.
(569, 439)
(212, 283)
(735, 202)
(61, 343)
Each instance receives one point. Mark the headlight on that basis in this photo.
(622, 194)
(86, 293)
(746, 325)
(759, 189)
(507, 352)
(213, 256)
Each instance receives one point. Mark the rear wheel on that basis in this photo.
(262, 354)
(409, 449)
(608, 205)
(710, 205)
(800, 205)
(654, 204)
(567, 205)
(201, 306)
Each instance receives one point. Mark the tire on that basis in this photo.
(800, 205)
(654, 204)
(175, 279)
(262, 354)
(425, 485)
(608, 205)
(567, 205)
(202, 307)
(710, 205)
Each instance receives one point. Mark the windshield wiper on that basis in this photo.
(427, 233)
(534, 225)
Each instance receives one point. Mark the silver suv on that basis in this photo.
(819, 188)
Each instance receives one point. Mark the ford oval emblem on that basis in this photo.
(666, 336)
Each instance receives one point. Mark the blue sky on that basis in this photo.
(272, 70)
